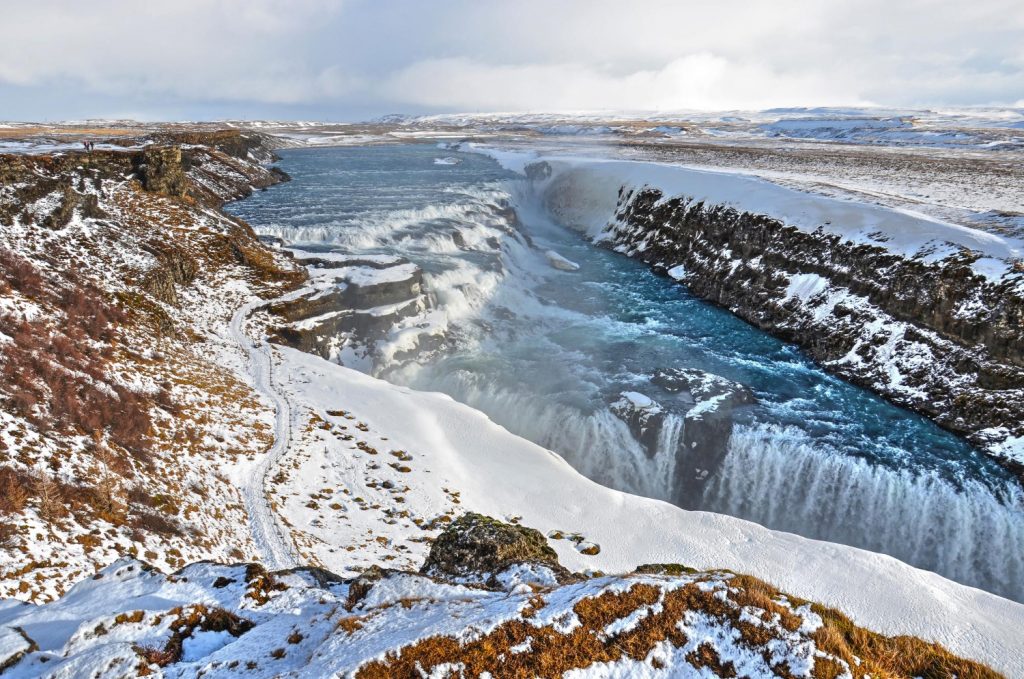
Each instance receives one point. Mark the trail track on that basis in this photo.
(270, 535)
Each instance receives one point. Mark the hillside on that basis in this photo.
(117, 274)
(491, 600)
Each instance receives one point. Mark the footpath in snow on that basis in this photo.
(270, 537)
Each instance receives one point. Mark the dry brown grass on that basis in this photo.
(552, 653)
(188, 620)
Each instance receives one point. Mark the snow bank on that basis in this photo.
(583, 193)
(499, 474)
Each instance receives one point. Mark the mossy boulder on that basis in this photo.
(673, 569)
(477, 545)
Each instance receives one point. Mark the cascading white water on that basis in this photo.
(782, 479)
(541, 351)
(779, 478)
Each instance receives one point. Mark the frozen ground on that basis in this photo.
(905, 232)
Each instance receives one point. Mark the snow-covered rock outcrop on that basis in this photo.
(661, 620)
(349, 305)
(693, 419)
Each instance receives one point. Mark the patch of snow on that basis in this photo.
(805, 286)
(559, 262)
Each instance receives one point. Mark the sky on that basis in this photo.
(346, 60)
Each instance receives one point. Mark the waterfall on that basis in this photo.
(542, 351)
(779, 478)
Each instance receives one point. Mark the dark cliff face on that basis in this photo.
(206, 173)
(932, 336)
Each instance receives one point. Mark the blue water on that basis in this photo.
(543, 352)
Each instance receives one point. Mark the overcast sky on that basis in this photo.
(356, 59)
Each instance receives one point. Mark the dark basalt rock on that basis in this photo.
(361, 585)
(706, 403)
(162, 171)
(956, 337)
(477, 546)
(72, 200)
(645, 420)
(538, 170)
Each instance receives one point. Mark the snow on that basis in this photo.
(202, 644)
(408, 587)
(583, 190)
(366, 276)
(677, 272)
(457, 448)
(269, 536)
(706, 406)
(638, 400)
(1010, 447)
(523, 575)
(806, 285)
(12, 643)
(559, 262)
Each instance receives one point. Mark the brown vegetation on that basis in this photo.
(552, 653)
(188, 620)
(55, 374)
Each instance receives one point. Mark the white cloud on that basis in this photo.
(200, 49)
(241, 57)
(696, 81)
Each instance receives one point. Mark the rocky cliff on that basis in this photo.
(934, 336)
(118, 275)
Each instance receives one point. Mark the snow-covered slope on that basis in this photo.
(123, 408)
(353, 502)
(525, 618)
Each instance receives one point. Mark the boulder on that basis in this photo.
(477, 548)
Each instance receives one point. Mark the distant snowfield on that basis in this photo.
(452, 448)
(42, 146)
(594, 185)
